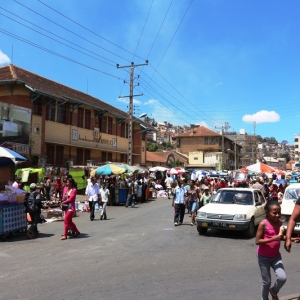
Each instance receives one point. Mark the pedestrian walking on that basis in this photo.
(104, 198)
(130, 196)
(178, 203)
(292, 222)
(268, 239)
(69, 195)
(193, 199)
(92, 195)
(33, 206)
(168, 183)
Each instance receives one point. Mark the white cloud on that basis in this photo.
(263, 116)
(126, 101)
(151, 102)
(202, 123)
(4, 59)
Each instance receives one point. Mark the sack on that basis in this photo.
(31, 203)
(65, 207)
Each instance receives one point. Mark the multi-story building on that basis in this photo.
(208, 149)
(57, 125)
(248, 144)
(297, 144)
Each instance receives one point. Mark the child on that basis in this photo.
(268, 239)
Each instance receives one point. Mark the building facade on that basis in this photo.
(210, 149)
(56, 125)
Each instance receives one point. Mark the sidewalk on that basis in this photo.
(291, 297)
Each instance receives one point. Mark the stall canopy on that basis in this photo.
(109, 169)
(259, 168)
(25, 172)
(9, 157)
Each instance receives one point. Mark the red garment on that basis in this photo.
(274, 190)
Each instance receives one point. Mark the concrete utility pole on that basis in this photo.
(130, 125)
(224, 129)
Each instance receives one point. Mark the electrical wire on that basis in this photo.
(55, 53)
(88, 29)
(113, 65)
(72, 32)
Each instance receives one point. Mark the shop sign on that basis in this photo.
(96, 138)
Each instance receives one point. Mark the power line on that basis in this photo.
(55, 53)
(100, 36)
(58, 40)
(71, 31)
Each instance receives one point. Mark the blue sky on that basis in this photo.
(210, 61)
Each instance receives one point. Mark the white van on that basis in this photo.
(291, 195)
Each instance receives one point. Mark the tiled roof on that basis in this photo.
(152, 156)
(165, 154)
(42, 85)
(199, 131)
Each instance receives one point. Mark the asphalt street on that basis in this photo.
(136, 254)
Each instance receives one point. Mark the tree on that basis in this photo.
(284, 142)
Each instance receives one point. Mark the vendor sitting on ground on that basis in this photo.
(33, 206)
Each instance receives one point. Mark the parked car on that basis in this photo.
(239, 179)
(290, 196)
(233, 209)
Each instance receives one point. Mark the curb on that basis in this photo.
(291, 297)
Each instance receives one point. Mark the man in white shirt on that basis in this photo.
(104, 197)
(178, 203)
(169, 182)
(92, 195)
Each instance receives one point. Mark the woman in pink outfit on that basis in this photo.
(69, 195)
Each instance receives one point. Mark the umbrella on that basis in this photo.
(10, 157)
(109, 169)
(279, 171)
(172, 171)
(158, 168)
(131, 169)
(260, 168)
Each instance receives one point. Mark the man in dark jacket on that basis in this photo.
(33, 206)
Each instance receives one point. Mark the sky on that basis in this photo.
(210, 62)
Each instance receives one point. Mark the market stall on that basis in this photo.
(12, 212)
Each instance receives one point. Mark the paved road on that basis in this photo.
(136, 254)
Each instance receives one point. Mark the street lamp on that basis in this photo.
(143, 115)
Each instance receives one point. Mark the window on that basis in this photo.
(37, 108)
(87, 119)
(59, 155)
(103, 124)
(123, 128)
(103, 156)
(126, 130)
(80, 116)
(61, 114)
(50, 111)
(122, 158)
(109, 156)
(50, 154)
(195, 158)
(209, 140)
(87, 154)
(109, 125)
(80, 157)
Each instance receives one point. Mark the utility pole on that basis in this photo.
(130, 125)
(224, 129)
(254, 143)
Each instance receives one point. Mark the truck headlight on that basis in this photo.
(201, 214)
(239, 217)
